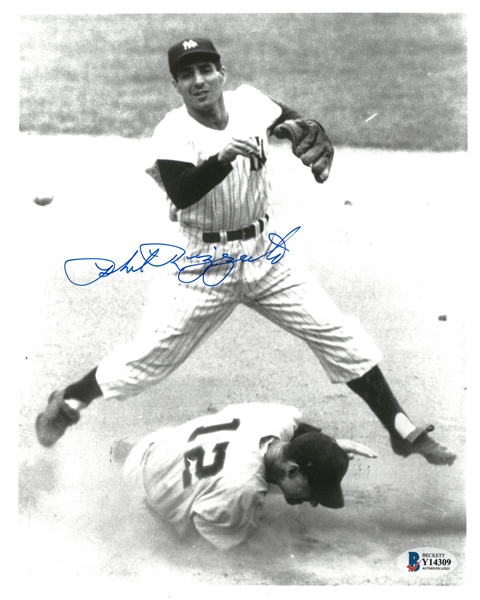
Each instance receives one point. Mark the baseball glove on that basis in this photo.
(310, 144)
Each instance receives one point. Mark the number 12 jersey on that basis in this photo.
(210, 472)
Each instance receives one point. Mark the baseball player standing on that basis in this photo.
(213, 473)
(211, 158)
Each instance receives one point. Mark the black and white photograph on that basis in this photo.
(238, 292)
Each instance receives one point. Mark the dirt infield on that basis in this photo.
(381, 238)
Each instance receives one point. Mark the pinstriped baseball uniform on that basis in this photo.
(242, 198)
(210, 472)
(180, 316)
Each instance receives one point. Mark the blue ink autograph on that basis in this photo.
(160, 255)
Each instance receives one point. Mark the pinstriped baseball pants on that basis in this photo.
(181, 316)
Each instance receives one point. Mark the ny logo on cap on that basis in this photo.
(189, 44)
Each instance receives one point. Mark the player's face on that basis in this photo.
(296, 490)
(201, 85)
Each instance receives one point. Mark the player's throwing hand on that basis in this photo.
(238, 147)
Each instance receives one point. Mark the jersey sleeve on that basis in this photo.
(227, 517)
(261, 107)
(170, 140)
(284, 422)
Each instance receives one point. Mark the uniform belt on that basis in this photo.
(212, 237)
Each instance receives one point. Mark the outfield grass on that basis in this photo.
(107, 74)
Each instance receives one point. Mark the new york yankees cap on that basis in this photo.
(197, 48)
(324, 463)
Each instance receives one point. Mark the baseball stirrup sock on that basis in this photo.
(85, 390)
(373, 388)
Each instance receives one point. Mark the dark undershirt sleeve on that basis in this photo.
(186, 184)
(287, 113)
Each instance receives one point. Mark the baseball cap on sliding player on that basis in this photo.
(324, 463)
(191, 49)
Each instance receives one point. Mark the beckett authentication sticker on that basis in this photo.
(426, 562)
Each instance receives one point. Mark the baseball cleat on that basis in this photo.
(427, 447)
(52, 422)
